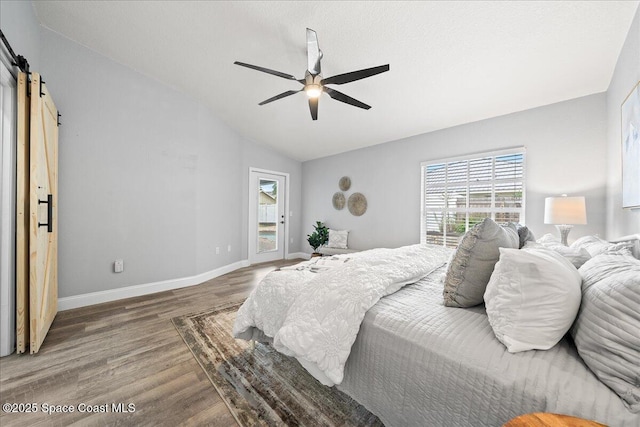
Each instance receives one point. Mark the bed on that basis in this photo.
(415, 362)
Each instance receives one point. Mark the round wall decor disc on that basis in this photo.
(338, 201)
(357, 204)
(344, 183)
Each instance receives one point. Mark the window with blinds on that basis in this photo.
(459, 193)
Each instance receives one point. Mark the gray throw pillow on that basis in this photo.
(472, 263)
(607, 329)
(524, 235)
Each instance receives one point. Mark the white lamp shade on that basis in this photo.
(565, 210)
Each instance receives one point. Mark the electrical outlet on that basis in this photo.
(217, 250)
(291, 241)
(229, 248)
(118, 266)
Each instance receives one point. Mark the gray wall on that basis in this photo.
(20, 26)
(621, 222)
(146, 173)
(565, 154)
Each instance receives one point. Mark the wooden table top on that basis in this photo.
(544, 419)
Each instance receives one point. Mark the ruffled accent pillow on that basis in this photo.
(338, 239)
(472, 263)
(532, 298)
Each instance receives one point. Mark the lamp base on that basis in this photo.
(564, 233)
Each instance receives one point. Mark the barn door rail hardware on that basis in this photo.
(49, 203)
(18, 60)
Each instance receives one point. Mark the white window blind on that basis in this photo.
(460, 192)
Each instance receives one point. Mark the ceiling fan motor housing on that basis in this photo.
(313, 85)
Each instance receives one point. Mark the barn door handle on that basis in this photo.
(49, 223)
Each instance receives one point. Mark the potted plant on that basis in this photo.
(319, 237)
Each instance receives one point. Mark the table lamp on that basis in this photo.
(565, 212)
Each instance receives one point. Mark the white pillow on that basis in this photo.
(577, 256)
(548, 239)
(338, 239)
(596, 246)
(532, 298)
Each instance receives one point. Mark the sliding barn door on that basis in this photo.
(43, 229)
(22, 215)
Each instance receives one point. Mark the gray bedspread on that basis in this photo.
(418, 363)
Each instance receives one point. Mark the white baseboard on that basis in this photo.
(83, 300)
(302, 255)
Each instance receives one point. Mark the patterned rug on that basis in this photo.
(262, 386)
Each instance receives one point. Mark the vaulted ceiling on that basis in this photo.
(451, 62)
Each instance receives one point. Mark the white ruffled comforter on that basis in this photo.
(315, 316)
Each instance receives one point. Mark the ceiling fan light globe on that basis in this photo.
(313, 91)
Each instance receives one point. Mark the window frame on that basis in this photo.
(521, 150)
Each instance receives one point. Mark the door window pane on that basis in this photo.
(267, 216)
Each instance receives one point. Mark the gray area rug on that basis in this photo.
(262, 386)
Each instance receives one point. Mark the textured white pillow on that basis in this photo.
(532, 298)
(577, 256)
(596, 246)
(548, 239)
(338, 239)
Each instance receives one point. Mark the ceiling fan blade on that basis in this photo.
(355, 75)
(314, 54)
(339, 96)
(280, 96)
(313, 107)
(266, 70)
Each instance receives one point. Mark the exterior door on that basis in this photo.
(267, 219)
(43, 213)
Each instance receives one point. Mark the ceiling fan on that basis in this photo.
(313, 82)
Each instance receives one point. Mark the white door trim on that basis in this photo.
(8, 162)
(251, 222)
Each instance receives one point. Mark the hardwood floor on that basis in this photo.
(124, 352)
